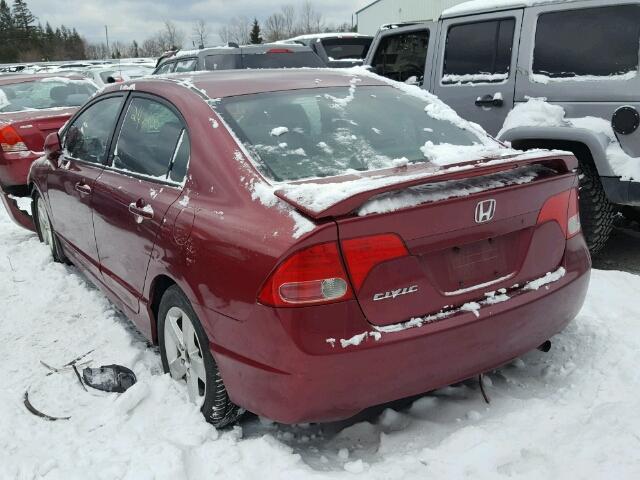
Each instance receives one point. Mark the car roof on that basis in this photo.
(229, 83)
(487, 6)
(34, 77)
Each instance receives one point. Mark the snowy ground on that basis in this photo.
(571, 413)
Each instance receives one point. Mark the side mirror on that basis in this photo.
(52, 149)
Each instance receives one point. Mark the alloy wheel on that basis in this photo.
(184, 354)
(45, 226)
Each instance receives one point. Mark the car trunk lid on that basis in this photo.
(34, 126)
(474, 232)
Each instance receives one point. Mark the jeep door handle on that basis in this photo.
(489, 101)
(83, 188)
(144, 212)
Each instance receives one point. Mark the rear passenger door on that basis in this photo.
(404, 54)
(476, 72)
(144, 177)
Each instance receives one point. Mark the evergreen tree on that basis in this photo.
(22, 19)
(255, 32)
(8, 52)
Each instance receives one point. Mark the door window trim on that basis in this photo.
(514, 49)
(140, 176)
(91, 103)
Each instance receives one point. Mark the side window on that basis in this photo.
(221, 62)
(402, 56)
(87, 138)
(592, 41)
(479, 52)
(188, 65)
(149, 139)
(166, 68)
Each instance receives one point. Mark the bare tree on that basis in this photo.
(201, 33)
(172, 37)
(274, 27)
(289, 17)
(238, 30)
(310, 18)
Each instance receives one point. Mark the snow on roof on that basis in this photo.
(477, 6)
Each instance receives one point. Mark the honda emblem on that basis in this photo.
(485, 211)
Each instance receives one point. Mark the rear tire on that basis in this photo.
(597, 213)
(184, 349)
(46, 233)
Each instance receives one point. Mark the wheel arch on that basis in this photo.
(158, 286)
(582, 142)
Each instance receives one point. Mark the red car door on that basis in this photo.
(144, 177)
(70, 187)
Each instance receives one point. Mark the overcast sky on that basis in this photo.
(138, 19)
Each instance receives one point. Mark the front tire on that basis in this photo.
(46, 233)
(185, 353)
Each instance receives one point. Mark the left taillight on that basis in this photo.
(563, 208)
(11, 141)
(312, 276)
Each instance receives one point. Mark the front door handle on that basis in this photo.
(83, 188)
(141, 210)
(489, 101)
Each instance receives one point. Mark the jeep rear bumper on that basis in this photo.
(622, 192)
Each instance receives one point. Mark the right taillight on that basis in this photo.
(362, 254)
(11, 141)
(563, 209)
(312, 276)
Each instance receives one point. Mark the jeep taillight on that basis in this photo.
(11, 141)
(362, 254)
(311, 276)
(563, 209)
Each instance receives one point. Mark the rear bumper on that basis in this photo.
(297, 383)
(20, 217)
(14, 168)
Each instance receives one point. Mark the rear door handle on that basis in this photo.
(489, 101)
(83, 188)
(141, 210)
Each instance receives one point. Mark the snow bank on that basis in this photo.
(536, 112)
(570, 413)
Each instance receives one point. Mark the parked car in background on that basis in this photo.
(31, 107)
(557, 74)
(233, 57)
(337, 50)
(297, 230)
(105, 74)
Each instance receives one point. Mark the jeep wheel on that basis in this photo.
(597, 213)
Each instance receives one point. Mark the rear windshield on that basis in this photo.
(346, 48)
(330, 131)
(46, 93)
(282, 60)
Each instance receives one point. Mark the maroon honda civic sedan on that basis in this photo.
(305, 244)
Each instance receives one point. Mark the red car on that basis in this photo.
(31, 107)
(304, 244)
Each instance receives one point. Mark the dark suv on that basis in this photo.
(234, 57)
(337, 50)
(561, 74)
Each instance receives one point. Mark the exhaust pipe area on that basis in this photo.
(545, 347)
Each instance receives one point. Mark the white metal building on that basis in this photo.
(380, 12)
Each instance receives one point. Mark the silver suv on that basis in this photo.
(561, 74)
